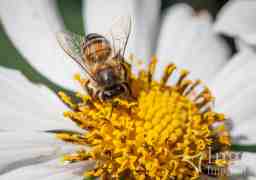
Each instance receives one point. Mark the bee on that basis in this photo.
(102, 59)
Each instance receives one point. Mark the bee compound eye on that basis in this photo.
(107, 77)
(112, 92)
(119, 67)
(119, 88)
(106, 95)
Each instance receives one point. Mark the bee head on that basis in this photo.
(107, 77)
(113, 91)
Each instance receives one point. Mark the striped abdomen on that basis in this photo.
(96, 48)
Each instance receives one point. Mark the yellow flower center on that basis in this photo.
(165, 133)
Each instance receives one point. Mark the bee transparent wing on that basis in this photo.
(71, 44)
(119, 34)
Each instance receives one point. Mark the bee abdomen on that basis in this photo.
(96, 47)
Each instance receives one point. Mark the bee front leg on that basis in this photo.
(86, 86)
(114, 104)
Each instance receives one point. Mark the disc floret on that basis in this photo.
(166, 131)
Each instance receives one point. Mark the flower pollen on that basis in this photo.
(154, 136)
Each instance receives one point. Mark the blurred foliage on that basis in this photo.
(244, 148)
(72, 15)
(12, 59)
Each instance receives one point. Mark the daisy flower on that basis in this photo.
(144, 138)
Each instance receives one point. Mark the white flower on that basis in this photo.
(29, 112)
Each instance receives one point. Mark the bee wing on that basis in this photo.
(71, 43)
(119, 34)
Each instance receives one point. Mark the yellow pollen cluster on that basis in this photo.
(166, 132)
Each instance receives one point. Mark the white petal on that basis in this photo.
(241, 45)
(235, 91)
(241, 110)
(31, 26)
(237, 18)
(187, 39)
(51, 170)
(246, 166)
(27, 106)
(238, 60)
(99, 16)
(239, 73)
(244, 133)
(22, 148)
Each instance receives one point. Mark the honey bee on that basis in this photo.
(102, 59)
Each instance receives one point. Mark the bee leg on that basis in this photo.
(129, 94)
(88, 89)
(111, 111)
(113, 105)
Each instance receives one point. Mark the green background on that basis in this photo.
(72, 15)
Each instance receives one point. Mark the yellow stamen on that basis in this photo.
(66, 99)
(152, 136)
